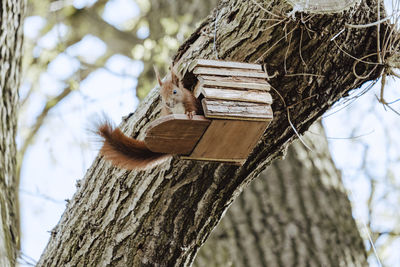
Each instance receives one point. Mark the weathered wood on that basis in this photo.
(234, 79)
(236, 110)
(175, 134)
(243, 83)
(236, 143)
(228, 84)
(223, 64)
(238, 95)
(235, 82)
(230, 72)
(197, 90)
(323, 6)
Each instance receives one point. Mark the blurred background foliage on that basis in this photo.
(71, 40)
(74, 48)
(151, 36)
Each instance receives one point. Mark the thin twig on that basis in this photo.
(383, 83)
(344, 138)
(394, 101)
(353, 57)
(347, 102)
(301, 101)
(274, 45)
(365, 76)
(370, 24)
(336, 35)
(301, 41)
(290, 121)
(262, 8)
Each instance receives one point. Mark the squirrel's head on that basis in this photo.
(171, 92)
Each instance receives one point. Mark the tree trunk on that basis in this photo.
(295, 214)
(162, 216)
(11, 14)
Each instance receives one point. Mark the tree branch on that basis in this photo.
(140, 218)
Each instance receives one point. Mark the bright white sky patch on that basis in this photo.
(33, 25)
(90, 48)
(125, 65)
(54, 36)
(117, 12)
(143, 32)
(83, 3)
(63, 66)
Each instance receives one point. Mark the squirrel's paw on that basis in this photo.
(190, 114)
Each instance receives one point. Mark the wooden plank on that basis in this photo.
(197, 89)
(175, 134)
(223, 64)
(238, 95)
(233, 79)
(229, 140)
(232, 83)
(236, 110)
(229, 72)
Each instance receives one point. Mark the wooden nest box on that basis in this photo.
(237, 109)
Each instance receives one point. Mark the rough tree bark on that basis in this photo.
(11, 15)
(295, 214)
(162, 216)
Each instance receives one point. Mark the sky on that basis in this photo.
(64, 149)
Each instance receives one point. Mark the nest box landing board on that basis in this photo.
(237, 109)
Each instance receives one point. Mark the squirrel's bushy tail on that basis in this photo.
(126, 152)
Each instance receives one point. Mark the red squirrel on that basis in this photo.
(129, 153)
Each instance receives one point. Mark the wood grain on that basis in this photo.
(237, 95)
(175, 134)
(229, 72)
(240, 83)
(235, 82)
(223, 64)
(229, 140)
(234, 79)
(236, 110)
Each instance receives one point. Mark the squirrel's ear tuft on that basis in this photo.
(157, 76)
(174, 77)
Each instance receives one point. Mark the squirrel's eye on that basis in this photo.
(174, 92)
